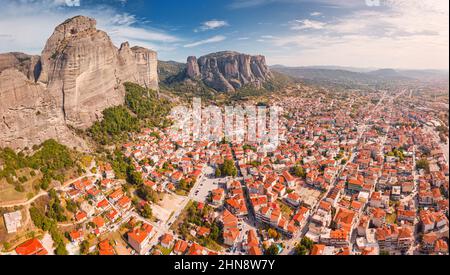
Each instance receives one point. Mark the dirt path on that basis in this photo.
(41, 194)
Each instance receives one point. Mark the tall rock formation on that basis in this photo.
(192, 68)
(228, 71)
(29, 65)
(78, 75)
(29, 114)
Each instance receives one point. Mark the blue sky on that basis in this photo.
(360, 33)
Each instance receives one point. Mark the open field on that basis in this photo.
(163, 210)
(8, 194)
(181, 217)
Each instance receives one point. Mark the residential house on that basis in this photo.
(138, 238)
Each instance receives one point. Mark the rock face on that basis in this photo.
(29, 114)
(192, 68)
(78, 75)
(29, 65)
(228, 71)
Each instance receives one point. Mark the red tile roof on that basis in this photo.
(180, 247)
(31, 247)
(139, 234)
(105, 248)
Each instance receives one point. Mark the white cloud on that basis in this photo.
(316, 13)
(242, 4)
(214, 39)
(239, 4)
(123, 19)
(138, 34)
(26, 25)
(267, 36)
(212, 25)
(404, 34)
(307, 24)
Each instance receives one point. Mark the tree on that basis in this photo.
(39, 219)
(299, 171)
(273, 233)
(71, 206)
(423, 164)
(184, 184)
(19, 188)
(301, 250)
(51, 158)
(184, 229)
(247, 147)
(61, 249)
(147, 193)
(56, 210)
(155, 134)
(120, 164)
(146, 104)
(84, 247)
(228, 168)
(215, 232)
(218, 173)
(307, 243)
(399, 154)
(146, 211)
(116, 123)
(272, 250)
(6, 246)
(134, 177)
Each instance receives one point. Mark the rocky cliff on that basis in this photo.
(78, 75)
(228, 71)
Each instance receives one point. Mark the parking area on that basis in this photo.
(205, 185)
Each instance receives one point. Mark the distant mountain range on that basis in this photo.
(226, 74)
(355, 77)
(225, 71)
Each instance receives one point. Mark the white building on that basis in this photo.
(13, 221)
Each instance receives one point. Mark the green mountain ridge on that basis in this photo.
(174, 80)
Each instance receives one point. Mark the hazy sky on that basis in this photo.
(360, 33)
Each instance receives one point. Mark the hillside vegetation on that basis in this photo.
(167, 70)
(52, 159)
(173, 80)
(143, 108)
